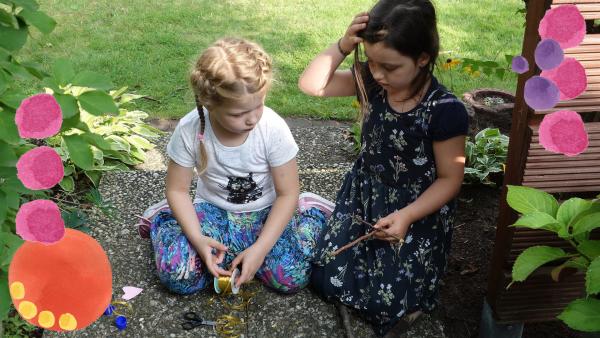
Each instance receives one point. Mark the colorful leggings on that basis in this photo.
(286, 267)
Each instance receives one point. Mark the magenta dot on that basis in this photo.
(565, 24)
(570, 77)
(38, 116)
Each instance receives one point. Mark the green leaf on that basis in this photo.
(28, 4)
(74, 219)
(5, 300)
(98, 103)
(532, 258)
(69, 170)
(80, 151)
(68, 105)
(92, 80)
(537, 220)
(67, 184)
(97, 141)
(7, 156)
(9, 243)
(570, 208)
(119, 143)
(590, 248)
(8, 128)
(592, 277)
(139, 142)
(13, 39)
(39, 20)
(63, 71)
(526, 200)
(8, 19)
(146, 131)
(3, 206)
(94, 176)
(582, 315)
(16, 70)
(586, 223)
(12, 99)
(35, 69)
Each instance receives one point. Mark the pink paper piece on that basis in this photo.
(548, 54)
(563, 132)
(39, 116)
(541, 93)
(40, 221)
(131, 292)
(520, 64)
(565, 24)
(40, 168)
(570, 77)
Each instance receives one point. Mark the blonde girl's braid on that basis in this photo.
(226, 71)
(202, 148)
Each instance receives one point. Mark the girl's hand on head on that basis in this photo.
(350, 40)
(393, 227)
(211, 261)
(251, 259)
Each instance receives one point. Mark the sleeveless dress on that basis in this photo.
(396, 165)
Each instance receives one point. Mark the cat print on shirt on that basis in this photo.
(242, 190)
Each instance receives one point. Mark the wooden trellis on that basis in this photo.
(540, 298)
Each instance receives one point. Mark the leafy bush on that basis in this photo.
(96, 143)
(89, 142)
(485, 156)
(573, 221)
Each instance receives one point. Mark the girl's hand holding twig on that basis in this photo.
(394, 227)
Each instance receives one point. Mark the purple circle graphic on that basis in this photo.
(520, 64)
(548, 54)
(541, 93)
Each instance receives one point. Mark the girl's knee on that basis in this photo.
(286, 280)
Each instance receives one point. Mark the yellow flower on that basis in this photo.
(450, 64)
(467, 69)
(476, 74)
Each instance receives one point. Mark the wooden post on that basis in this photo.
(520, 136)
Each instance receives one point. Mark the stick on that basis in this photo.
(401, 240)
(347, 246)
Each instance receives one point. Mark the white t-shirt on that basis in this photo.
(237, 179)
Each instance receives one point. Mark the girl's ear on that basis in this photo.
(423, 60)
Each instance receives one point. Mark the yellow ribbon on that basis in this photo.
(121, 305)
(230, 325)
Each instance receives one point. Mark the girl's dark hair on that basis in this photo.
(409, 27)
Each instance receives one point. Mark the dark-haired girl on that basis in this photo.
(408, 173)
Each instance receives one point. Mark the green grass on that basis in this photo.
(149, 46)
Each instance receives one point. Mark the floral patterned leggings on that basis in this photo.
(286, 267)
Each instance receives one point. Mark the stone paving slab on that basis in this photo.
(322, 166)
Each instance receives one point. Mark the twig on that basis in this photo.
(347, 246)
(458, 226)
(401, 240)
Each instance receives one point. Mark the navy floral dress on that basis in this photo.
(396, 165)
